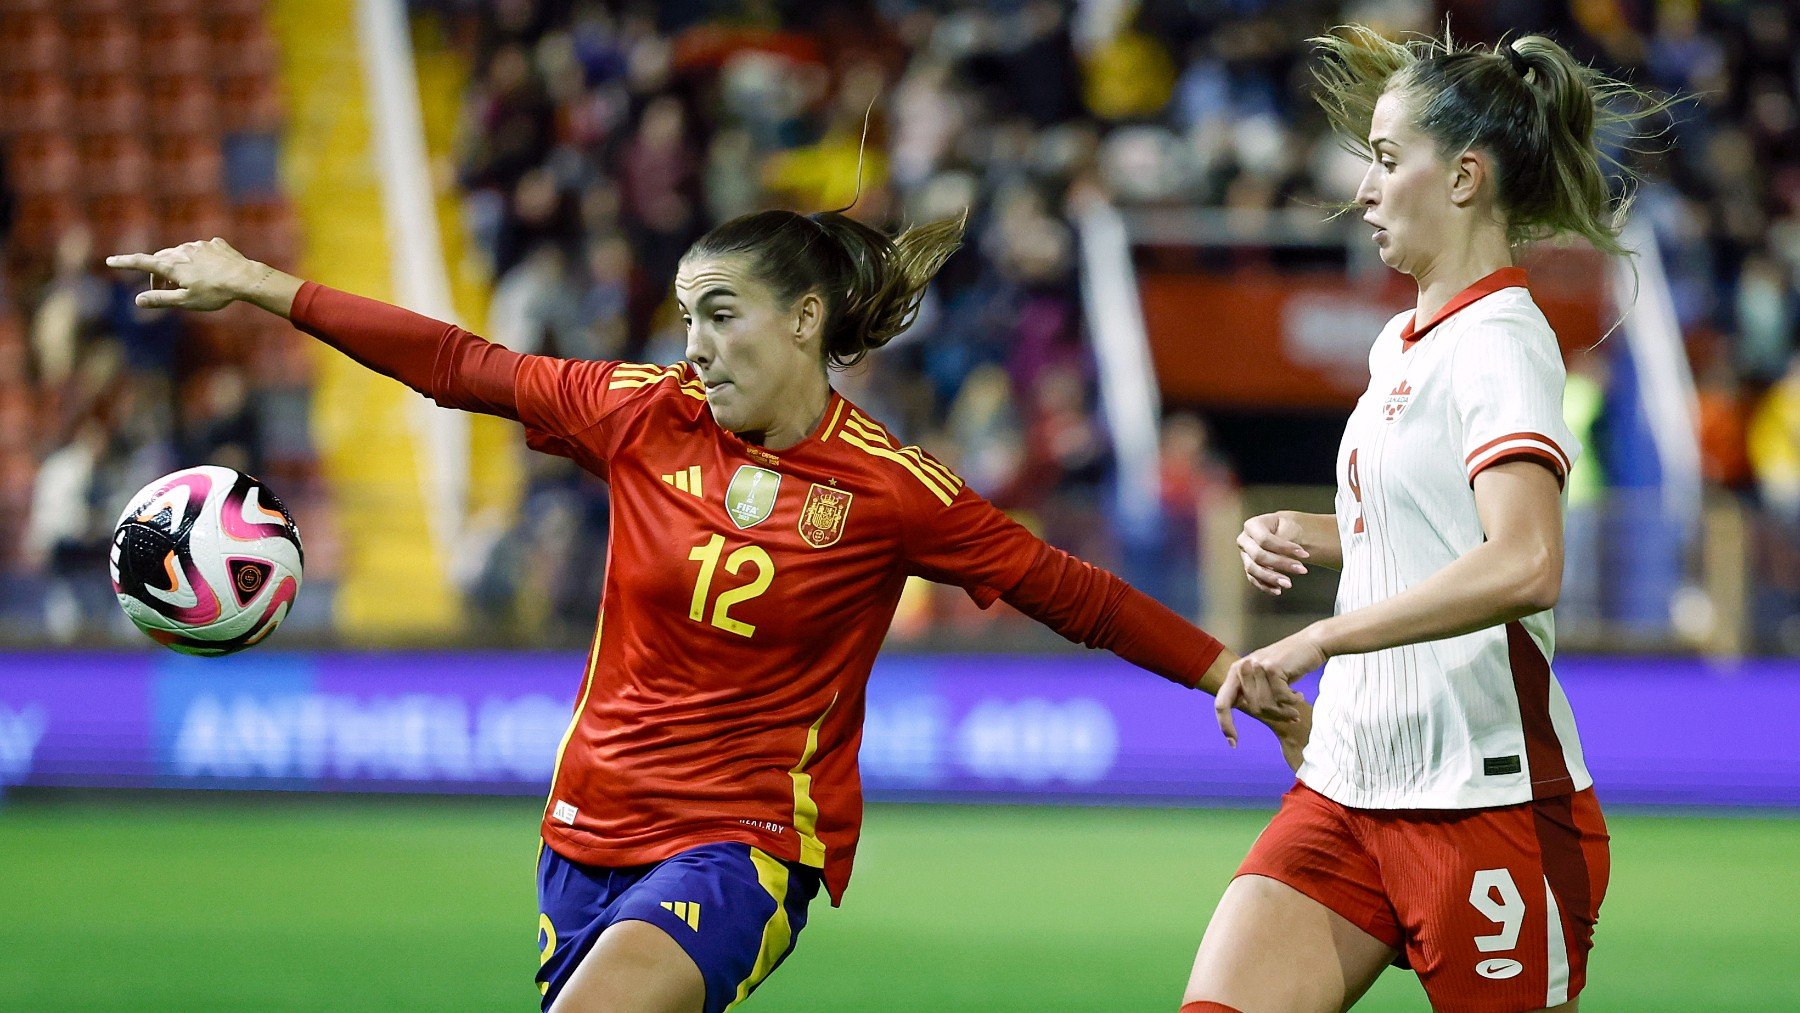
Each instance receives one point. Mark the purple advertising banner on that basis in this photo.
(1074, 727)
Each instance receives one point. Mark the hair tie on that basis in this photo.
(1517, 60)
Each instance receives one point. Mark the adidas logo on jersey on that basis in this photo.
(1397, 400)
(686, 910)
(687, 480)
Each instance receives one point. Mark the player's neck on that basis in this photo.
(809, 396)
(1458, 268)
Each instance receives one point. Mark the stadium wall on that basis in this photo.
(1068, 728)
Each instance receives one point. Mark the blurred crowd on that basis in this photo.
(128, 127)
(600, 138)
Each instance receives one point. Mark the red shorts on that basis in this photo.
(1494, 908)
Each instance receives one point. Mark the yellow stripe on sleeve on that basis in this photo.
(873, 433)
(864, 428)
(640, 369)
(932, 466)
(777, 931)
(692, 390)
(932, 482)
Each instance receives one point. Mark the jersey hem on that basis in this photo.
(618, 856)
(1486, 798)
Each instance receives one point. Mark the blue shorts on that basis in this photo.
(736, 910)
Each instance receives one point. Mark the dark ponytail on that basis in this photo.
(871, 284)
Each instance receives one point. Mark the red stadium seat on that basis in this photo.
(43, 164)
(183, 219)
(115, 164)
(266, 231)
(242, 46)
(236, 8)
(250, 104)
(188, 165)
(104, 43)
(77, 9)
(109, 104)
(185, 11)
(178, 46)
(182, 104)
(41, 219)
(122, 221)
(33, 41)
(34, 102)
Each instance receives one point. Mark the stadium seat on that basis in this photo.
(123, 221)
(188, 165)
(191, 217)
(43, 164)
(116, 164)
(33, 41)
(182, 104)
(33, 102)
(41, 218)
(104, 43)
(243, 47)
(266, 231)
(109, 103)
(182, 48)
(250, 103)
(77, 9)
(187, 12)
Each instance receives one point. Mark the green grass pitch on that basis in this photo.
(236, 902)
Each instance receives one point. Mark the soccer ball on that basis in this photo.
(206, 561)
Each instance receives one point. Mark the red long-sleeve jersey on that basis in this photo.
(746, 593)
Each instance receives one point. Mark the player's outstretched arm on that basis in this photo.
(207, 276)
(453, 367)
(969, 543)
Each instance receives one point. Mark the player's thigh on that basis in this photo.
(1503, 901)
(1306, 925)
(732, 912)
(634, 967)
(1270, 947)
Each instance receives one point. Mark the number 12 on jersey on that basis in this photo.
(707, 555)
(1355, 483)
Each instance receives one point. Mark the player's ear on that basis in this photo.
(1467, 174)
(809, 318)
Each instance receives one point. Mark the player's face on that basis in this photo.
(1405, 193)
(749, 349)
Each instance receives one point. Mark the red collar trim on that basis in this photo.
(1506, 277)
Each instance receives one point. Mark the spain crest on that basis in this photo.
(822, 516)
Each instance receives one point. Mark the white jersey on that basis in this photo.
(1470, 721)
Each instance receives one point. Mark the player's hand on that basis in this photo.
(193, 276)
(1294, 734)
(1260, 682)
(1270, 548)
(1271, 701)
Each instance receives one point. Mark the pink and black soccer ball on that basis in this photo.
(206, 561)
